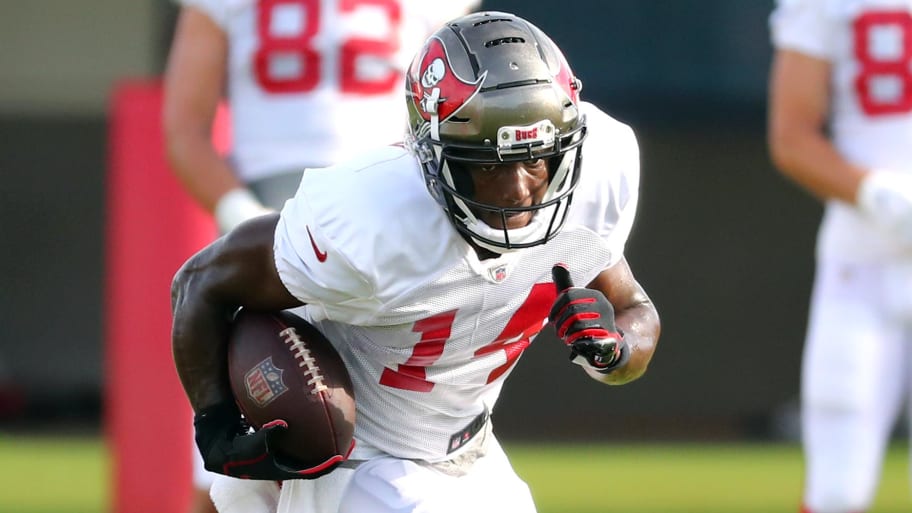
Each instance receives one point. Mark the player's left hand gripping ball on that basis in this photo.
(293, 388)
(229, 448)
(584, 320)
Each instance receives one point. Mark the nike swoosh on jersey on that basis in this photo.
(321, 255)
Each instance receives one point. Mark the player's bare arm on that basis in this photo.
(635, 315)
(802, 150)
(799, 103)
(235, 270)
(194, 82)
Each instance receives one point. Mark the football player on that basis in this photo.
(308, 82)
(840, 127)
(431, 266)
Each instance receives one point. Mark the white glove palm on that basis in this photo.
(886, 198)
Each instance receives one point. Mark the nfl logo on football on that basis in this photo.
(264, 382)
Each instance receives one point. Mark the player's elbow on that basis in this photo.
(176, 143)
(171, 126)
(189, 281)
(788, 143)
(780, 148)
(183, 136)
(179, 285)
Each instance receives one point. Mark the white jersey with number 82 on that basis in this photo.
(868, 43)
(313, 81)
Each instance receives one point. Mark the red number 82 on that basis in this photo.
(300, 46)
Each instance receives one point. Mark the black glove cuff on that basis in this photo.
(217, 415)
(213, 422)
(621, 361)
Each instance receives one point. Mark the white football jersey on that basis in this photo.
(869, 46)
(429, 331)
(311, 82)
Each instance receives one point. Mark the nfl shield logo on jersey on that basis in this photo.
(264, 382)
(499, 273)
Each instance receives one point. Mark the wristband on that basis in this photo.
(869, 192)
(237, 206)
(885, 196)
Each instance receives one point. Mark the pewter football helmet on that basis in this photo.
(488, 88)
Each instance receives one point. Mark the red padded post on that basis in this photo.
(152, 227)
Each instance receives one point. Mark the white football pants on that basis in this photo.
(855, 377)
(390, 485)
(481, 481)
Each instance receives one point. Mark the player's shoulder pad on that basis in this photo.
(611, 152)
(606, 198)
(364, 228)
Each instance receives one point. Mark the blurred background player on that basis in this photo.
(841, 127)
(307, 82)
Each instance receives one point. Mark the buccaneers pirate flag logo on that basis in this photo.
(435, 87)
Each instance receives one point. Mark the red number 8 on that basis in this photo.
(299, 46)
(869, 67)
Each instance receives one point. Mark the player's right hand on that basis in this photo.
(228, 448)
(886, 198)
(584, 320)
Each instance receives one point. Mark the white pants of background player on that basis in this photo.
(855, 377)
(480, 480)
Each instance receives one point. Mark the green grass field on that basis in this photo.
(70, 475)
(682, 478)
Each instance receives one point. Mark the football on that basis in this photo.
(282, 367)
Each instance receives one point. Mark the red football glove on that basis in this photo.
(584, 320)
